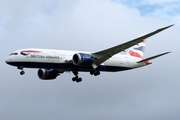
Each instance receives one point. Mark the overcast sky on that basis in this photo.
(147, 93)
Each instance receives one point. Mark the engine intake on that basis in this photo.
(82, 59)
(47, 74)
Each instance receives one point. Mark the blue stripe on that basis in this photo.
(24, 54)
(67, 66)
(140, 48)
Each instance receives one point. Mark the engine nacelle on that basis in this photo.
(82, 59)
(47, 74)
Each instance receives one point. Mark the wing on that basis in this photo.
(103, 55)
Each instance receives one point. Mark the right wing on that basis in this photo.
(103, 55)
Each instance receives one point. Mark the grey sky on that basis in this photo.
(150, 93)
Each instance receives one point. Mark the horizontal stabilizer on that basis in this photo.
(153, 57)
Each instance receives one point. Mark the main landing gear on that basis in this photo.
(79, 79)
(21, 68)
(76, 78)
(95, 73)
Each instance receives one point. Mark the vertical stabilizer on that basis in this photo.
(138, 50)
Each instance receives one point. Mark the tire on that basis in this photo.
(74, 79)
(22, 72)
(78, 80)
(91, 72)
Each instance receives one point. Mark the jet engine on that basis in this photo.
(82, 59)
(47, 74)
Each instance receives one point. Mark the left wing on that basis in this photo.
(103, 55)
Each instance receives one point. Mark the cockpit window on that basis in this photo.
(14, 54)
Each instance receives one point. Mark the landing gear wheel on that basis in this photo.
(92, 72)
(22, 72)
(76, 78)
(95, 73)
(79, 80)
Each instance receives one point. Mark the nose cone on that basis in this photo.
(8, 60)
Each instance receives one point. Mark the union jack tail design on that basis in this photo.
(138, 50)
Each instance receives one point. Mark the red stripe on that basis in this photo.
(135, 54)
(30, 51)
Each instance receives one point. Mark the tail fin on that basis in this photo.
(138, 50)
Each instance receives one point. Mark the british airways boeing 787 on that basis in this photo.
(52, 63)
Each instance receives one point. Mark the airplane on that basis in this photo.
(51, 63)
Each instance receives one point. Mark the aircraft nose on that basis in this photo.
(8, 60)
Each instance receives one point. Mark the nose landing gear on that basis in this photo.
(22, 72)
(21, 68)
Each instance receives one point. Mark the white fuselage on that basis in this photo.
(61, 60)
